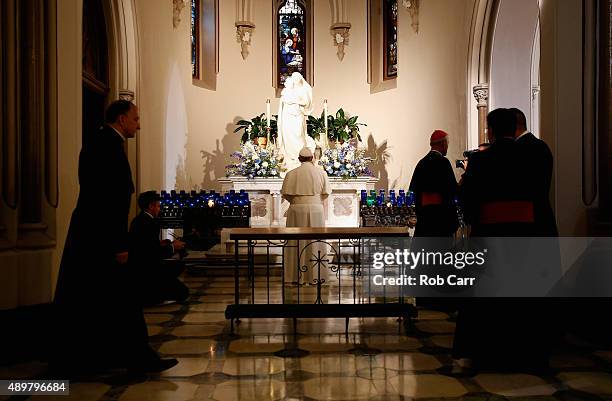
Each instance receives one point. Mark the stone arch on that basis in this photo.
(479, 61)
(503, 61)
(512, 68)
(123, 48)
(124, 66)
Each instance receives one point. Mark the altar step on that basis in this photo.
(220, 260)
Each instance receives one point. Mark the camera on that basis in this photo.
(469, 153)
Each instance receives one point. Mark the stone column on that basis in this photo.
(276, 208)
(605, 110)
(481, 94)
(10, 105)
(36, 167)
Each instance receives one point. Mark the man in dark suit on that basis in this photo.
(99, 322)
(497, 202)
(501, 334)
(434, 186)
(158, 281)
(537, 158)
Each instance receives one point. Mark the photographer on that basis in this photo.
(496, 201)
(159, 280)
(469, 153)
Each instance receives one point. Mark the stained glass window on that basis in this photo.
(291, 40)
(195, 38)
(390, 38)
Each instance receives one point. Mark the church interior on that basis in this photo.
(195, 69)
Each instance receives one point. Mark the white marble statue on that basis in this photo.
(294, 107)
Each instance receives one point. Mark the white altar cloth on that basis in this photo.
(268, 209)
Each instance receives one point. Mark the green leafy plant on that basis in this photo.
(256, 127)
(315, 126)
(342, 128)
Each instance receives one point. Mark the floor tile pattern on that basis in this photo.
(372, 363)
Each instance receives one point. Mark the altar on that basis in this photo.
(268, 209)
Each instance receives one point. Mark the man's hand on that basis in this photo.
(121, 257)
(178, 245)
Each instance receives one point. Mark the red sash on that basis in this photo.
(431, 198)
(507, 212)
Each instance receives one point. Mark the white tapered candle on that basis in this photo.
(325, 115)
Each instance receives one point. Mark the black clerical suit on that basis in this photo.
(497, 201)
(97, 318)
(500, 333)
(435, 188)
(537, 158)
(158, 281)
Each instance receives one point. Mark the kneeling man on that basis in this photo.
(159, 280)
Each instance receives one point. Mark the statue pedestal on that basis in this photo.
(268, 209)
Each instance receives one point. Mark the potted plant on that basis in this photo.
(342, 128)
(256, 130)
(315, 126)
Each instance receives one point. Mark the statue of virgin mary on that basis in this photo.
(294, 107)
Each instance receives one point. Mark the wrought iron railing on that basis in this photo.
(324, 272)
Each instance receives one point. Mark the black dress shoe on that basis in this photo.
(153, 366)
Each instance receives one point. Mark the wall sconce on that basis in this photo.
(177, 7)
(244, 25)
(244, 33)
(413, 9)
(126, 94)
(340, 26)
(341, 37)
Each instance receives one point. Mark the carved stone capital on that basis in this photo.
(413, 9)
(177, 7)
(340, 33)
(481, 94)
(244, 33)
(126, 94)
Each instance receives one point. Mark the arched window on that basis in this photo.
(382, 45)
(293, 40)
(205, 43)
(96, 83)
(390, 38)
(195, 39)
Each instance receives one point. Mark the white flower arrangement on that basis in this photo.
(346, 161)
(252, 161)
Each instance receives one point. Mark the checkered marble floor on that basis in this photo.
(373, 363)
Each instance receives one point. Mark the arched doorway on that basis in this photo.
(96, 83)
(503, 62)
(514, 68)
(110, 65)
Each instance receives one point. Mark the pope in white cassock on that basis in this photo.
(305, 187)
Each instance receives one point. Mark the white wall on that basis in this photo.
(511, 55)
(430, 91)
